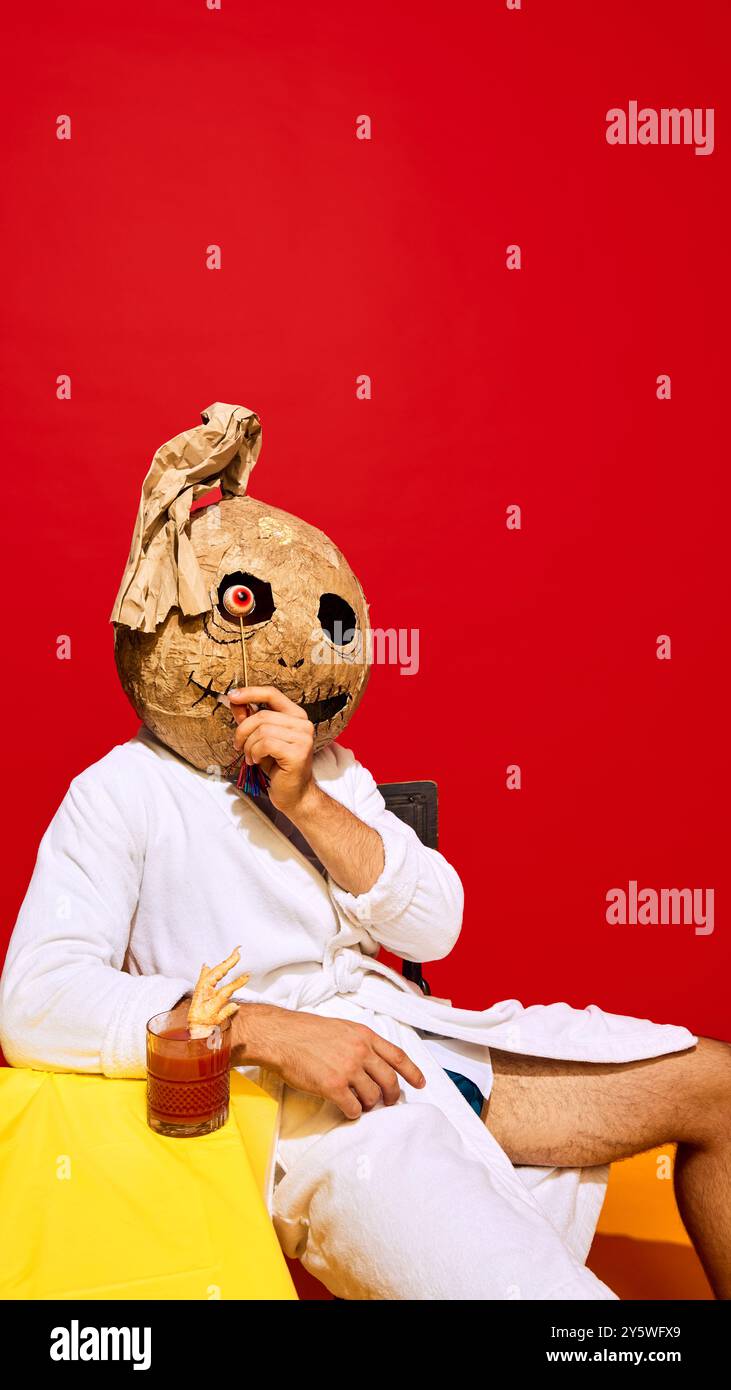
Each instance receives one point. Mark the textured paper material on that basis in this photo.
(162, 571)
(177, 651)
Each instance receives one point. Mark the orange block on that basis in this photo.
(641, 1249)
(640, 1201)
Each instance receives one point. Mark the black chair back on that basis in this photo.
(417, 804)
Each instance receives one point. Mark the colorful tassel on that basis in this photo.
(252, 780)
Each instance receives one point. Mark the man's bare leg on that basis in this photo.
(548, 1113)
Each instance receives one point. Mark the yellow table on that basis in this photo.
(94, 1205)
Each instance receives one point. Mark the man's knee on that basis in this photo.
(710, 1085)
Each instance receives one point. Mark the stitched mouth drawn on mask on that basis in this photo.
(317, 710)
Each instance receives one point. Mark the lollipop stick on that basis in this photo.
(243, 652)
(253, 779)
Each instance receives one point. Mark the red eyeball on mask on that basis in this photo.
(239, 601)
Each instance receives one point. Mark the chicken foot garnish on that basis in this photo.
(210, 1007)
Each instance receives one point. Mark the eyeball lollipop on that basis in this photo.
(239, 601)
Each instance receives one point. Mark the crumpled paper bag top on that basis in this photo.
(162, 571)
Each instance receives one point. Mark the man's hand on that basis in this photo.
(278, 738)
(343, 1062)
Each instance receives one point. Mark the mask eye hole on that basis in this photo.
(337, 619)
(243, 597)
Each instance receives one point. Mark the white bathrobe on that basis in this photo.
(150, 868)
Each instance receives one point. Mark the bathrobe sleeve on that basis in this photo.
(66, 1001)
(415, 908)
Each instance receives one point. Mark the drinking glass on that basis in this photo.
(187, 1078)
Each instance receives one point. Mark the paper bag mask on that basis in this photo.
(178, 645)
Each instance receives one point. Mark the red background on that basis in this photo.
(490, 387)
